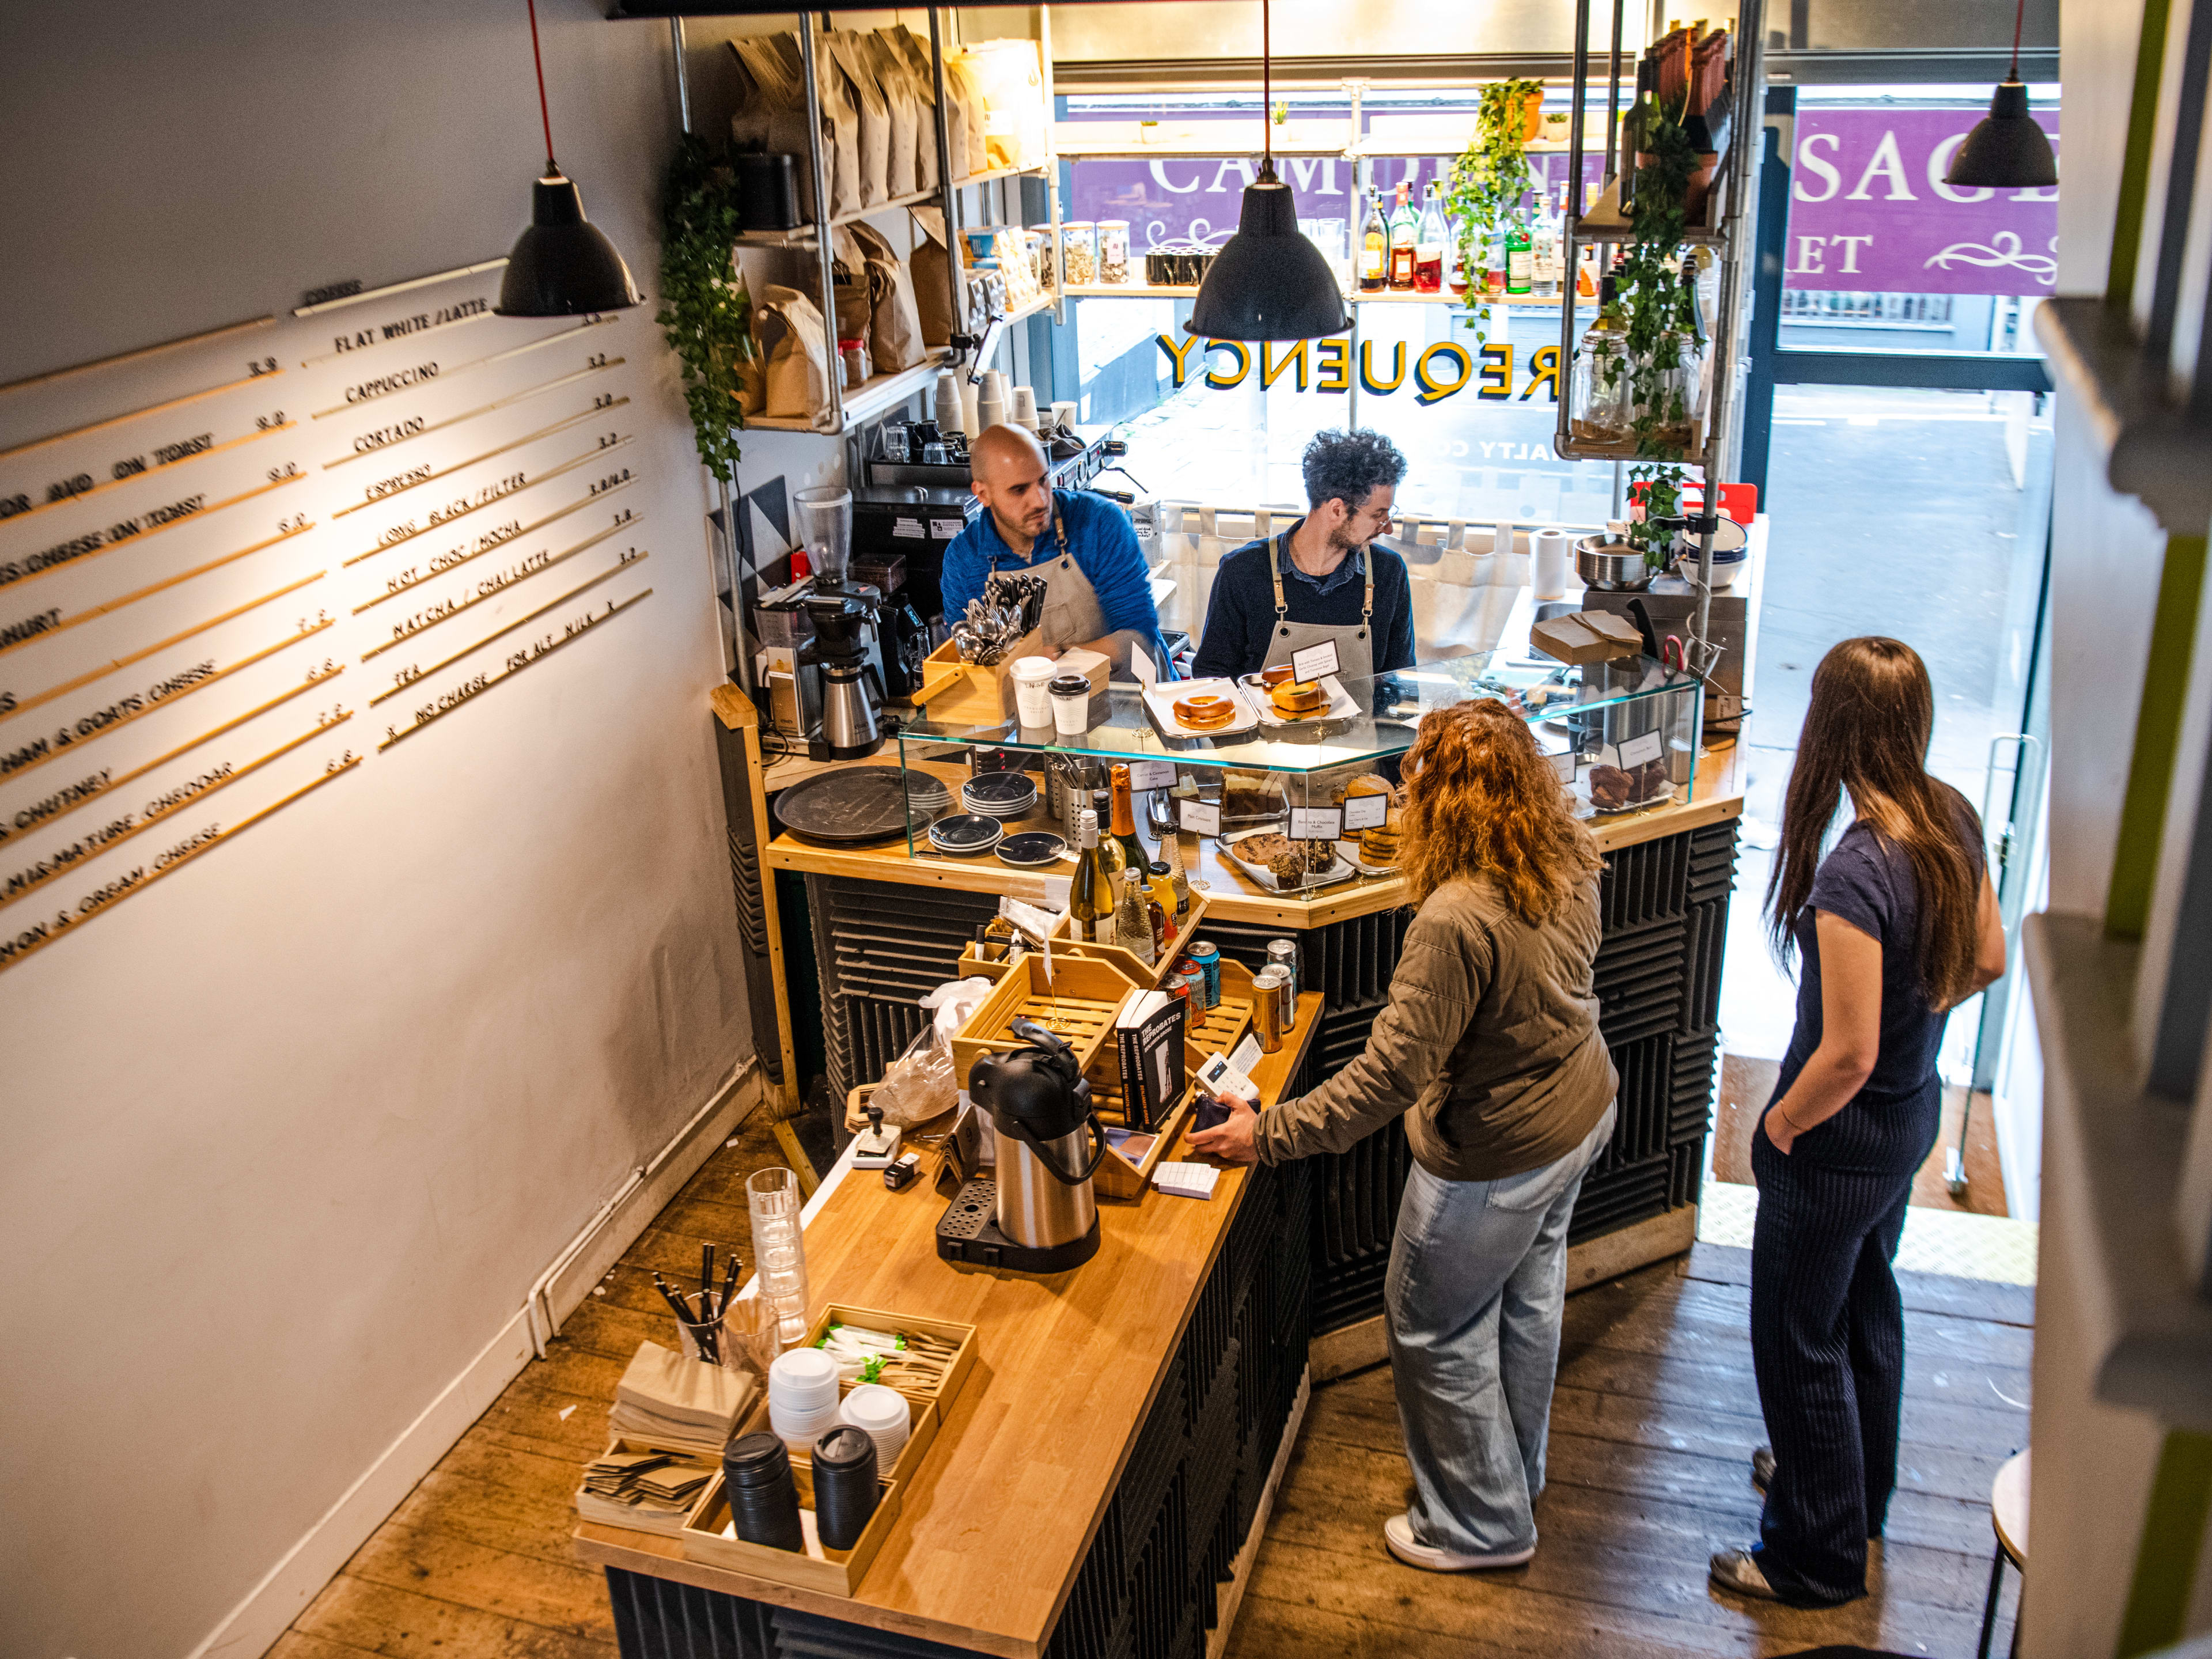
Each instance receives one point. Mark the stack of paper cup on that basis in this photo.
(947, 414)
(991, 401)
(1032, 678)
(802, 1397)
(885, 1416)
(1063, 414)
(968, 422)
(1024, 411)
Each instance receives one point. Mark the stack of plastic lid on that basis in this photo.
(885, 1415)
(802, 1396)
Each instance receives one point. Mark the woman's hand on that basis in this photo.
(1779, 1133)
(1230, 1140)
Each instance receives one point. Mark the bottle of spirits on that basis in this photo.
(1429, 240)
(1125, 822)
(1493, 263)
(1455, 260)
(1520, 255)
(1375, 250)
(1091, 893)
(1178, 878)
(1133, 920)
(1586, 274)
(1403, 233)
(1544, 253)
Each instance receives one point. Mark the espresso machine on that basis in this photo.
(1036, 1213)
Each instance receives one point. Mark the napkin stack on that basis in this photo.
(1186, 1180)
(646, 1492)
(667, 1400)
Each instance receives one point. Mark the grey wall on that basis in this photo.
(285, 1140)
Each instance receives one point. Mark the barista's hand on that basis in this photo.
(1232, 1139)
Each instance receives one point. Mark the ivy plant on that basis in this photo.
(1654, 285)
(1487, 181)
(706, 314)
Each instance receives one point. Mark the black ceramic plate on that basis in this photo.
(1032, 849)
(845, 808)
(969, 832)
(1001, 792)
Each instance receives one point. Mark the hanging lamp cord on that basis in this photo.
(2020, 12)
(1268, 88)
(545, 115)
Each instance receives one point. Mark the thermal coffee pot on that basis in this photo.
(1040, 1105)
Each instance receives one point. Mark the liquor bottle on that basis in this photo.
(1375, 250)
(1429, 245)
(1163, 901)
(1178, 878)
(1403, 234)
(1133, 921)
(1134, 856)
(1544, 253)
(1456, 257)
(1586, 274)
(1493, 263)
(1520, 249)
(1090, 894)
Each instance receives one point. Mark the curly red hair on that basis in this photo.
(1481, 797)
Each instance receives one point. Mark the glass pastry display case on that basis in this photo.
(1292, 798)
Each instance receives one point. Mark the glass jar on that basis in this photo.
(1045, 262)
(1601, 402)
(1114, 250)
(855, 358)
(1674, 386)
(1078, 252)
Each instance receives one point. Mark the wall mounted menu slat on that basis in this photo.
(107, 484)
(140, 353)
(63, 621)
(259, 376)
(95, 542)
(490, 588)
(393, 387)
(413, 674)
(430, 476)
(508, 402)
(469, 690)
(362, 296)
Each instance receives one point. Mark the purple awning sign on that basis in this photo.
(1870, 211)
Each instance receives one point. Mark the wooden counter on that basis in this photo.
(995, 1527)
(1234, 896)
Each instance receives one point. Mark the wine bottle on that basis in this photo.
(1519, 249)
(1132, 922)
(1429, 245)
(1090, 894)
(1375, 250)
(1125, 821)
(1403, 232)
(1116, 855)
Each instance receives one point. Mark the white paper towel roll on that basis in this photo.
(1549, 580)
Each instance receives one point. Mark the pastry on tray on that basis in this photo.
(1366, 783)
(1205, 712)
(1272, 678)
(1263, 849)
(1248, 795)
(1298, 699)
(1379, 845)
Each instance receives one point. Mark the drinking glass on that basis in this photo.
(772, 1197)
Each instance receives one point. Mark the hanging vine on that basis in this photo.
(706, 312)
(1487, 181)
(1654, 284)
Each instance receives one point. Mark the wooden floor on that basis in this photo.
(1655, 1421)
(1652, 1431)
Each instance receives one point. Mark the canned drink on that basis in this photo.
(1207, 961)
(1192, 979)
(1284, 954)
(1267, 1009)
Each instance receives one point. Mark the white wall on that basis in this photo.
(287, 1137)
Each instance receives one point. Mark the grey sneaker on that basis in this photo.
(1398, 1535)
(1738, 1572)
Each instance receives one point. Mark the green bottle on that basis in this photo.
(1520, 255)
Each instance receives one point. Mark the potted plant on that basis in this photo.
(1489, 179)
(705, 310)
(1655, 282)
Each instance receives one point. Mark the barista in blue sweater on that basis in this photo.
(1321, 579)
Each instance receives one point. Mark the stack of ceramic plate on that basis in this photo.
(1000, 794)
(927, 796)
(965, 833)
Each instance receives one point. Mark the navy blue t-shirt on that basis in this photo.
(1892, 1123)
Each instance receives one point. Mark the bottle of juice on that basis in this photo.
(1429, 240)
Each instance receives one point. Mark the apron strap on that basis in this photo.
(1367, 601)
(1282, 550)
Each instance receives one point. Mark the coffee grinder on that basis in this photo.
(839, 690)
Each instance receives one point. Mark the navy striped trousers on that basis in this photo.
(1828, 1344)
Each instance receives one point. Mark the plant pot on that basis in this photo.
(1532, 117)
(1699, 188)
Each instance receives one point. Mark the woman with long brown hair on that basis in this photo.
(1895, 927)
(1490, 1047)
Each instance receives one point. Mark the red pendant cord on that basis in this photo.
(2019, 12)
(545, 115)
(1268, 88)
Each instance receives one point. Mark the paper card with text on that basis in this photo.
(1202, 818)
(1315, 660)
(1151, 775)
(1140, 665)
(1366, 812)
(1315, 823)
(1635, 752)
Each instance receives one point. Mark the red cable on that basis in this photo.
(2019, 12)
(1268, 87)
(544, 114)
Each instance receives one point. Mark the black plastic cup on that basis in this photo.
(763, 1497)
(845, 1489)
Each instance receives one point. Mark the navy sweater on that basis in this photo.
(1241, 614)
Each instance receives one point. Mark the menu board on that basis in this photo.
(237, 569)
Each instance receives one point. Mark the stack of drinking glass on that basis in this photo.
(780, 1250)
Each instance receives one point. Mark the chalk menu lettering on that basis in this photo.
(141, 694)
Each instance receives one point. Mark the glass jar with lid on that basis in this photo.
(1601, 403)
(1045, 260)
(1114, 250)
(1078, 252)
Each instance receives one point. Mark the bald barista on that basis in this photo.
(1099, 592)
(1321, 578)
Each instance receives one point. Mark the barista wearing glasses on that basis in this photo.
(1321, 579)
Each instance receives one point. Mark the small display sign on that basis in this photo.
(1202, 818)
(1316, 823)
(1151, 775)
(1637, 752)
(1315, 660)
(1366, 812)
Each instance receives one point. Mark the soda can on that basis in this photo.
(1192, 980)
(1267, 1008)
(1284, 954)
(1207, 961)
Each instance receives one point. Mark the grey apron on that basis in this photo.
(1072, 613)
(1355, 647)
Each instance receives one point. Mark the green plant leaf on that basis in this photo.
(705, 311)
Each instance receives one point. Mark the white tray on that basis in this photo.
(1342, 870)
(1160, 701)
(1341, 705)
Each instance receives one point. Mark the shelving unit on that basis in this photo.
(1152, 291)
(878, 395)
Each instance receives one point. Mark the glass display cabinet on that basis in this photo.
(1291, 808)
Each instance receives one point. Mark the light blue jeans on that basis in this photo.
(1478, 1283)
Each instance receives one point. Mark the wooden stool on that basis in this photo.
(2009, 1520)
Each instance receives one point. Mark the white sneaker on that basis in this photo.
(1398, 1534)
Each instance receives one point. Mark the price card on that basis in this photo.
(1315, 660)
(1201, 817)
(1366, 812)
(1141, 666)
(1637, 752)
(1151, 775)
(1563, 764)
(1316, 822)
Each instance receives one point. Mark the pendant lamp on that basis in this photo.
(2007, 150)
(1269, 281)
(562, 266)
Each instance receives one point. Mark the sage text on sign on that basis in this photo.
(1436, 372)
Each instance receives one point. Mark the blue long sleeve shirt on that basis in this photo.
(1105, 548)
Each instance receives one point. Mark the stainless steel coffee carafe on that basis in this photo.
(1050, 1143)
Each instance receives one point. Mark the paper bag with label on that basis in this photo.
(916, 50)
(894, 331)
(909, 130)
(1008, 75)
(931, 259)
(962, 86)
(855, 301)
(841, 123)
(771, 114)
(870, 111)
(799, 367)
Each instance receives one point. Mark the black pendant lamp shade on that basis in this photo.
(563, 265)
(1269, 281)
(2007, 148)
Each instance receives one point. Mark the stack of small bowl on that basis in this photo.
(802, 1397)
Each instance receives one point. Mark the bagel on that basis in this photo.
(1298, 698)
(1204, 713)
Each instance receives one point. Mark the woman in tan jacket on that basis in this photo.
(1490, 1047)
